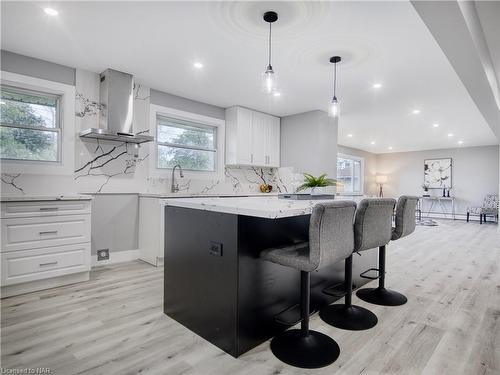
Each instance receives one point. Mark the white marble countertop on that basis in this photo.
(265, 207)
(28, 198)
(188, 195)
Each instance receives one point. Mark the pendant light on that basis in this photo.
(334, 109)
(268, 77)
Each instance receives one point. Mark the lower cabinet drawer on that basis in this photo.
(29, 265)
(39, 232)
(44, 208)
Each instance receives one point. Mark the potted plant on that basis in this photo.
(316, 184)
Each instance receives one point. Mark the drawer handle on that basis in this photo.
(48, 264)
(48, 232)
(49, 208)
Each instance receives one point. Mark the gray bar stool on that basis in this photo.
(331, 239)
(405, 225)
(372, 228)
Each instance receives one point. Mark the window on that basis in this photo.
(29, 125)
(191, 145)
(350, 171)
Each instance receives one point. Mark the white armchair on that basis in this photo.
(489, 207)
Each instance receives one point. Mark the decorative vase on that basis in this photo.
(321, 190)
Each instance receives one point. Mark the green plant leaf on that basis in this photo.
(320, 181)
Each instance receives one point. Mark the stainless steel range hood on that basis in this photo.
(117, 104)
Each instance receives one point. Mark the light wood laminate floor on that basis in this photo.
(113, 324)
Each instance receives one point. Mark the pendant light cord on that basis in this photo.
(270, 25)
(334, 80)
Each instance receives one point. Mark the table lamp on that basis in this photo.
(381, 179)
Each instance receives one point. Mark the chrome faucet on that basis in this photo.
(175, 187)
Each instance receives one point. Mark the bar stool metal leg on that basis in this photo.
(348, 316)
(302, 347)
(381, 295)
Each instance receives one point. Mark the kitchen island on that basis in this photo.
(215, 283)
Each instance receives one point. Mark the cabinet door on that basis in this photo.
(244, 136)
(273, 142)
(259, 139)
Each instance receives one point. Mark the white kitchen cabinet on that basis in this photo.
(151, 229)
(273, 142)
(33, 232)
(44, 244)
(37, 264)
(252, 138)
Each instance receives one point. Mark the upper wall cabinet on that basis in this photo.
(252, 138)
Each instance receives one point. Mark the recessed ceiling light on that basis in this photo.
(349, 135)
(390, 147)
(198, 65)
(277, 94)
(50, 11)
(377, 85)
(450, 134)
(372, 142)
(436, 125)
(460, 142)
(416, 111)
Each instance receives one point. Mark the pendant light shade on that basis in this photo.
(334, 107)
(269, 80)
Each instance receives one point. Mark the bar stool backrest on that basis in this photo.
(331, 232)
(373, 223)
(405, 216)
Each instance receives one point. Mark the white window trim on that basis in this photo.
(362, 177)
(66, 164)
(188, 116)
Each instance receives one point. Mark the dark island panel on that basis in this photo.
(199, 286)
(233, 298)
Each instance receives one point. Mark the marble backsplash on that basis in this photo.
(91, 179)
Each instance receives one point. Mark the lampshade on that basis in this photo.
(381, 179)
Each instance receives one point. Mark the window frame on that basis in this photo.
(57, 129)
(362, 172)
(66, 151)
(175, 114)
(175, 145)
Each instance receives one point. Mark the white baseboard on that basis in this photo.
(116, 257)
(458, 216)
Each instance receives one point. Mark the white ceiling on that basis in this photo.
(379, 41)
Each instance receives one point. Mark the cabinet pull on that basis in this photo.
(48, 232)
(48, 264)
(251, 158)
(49, 208)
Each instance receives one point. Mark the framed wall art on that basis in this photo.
(438, 173)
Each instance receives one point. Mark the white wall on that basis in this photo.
(115, 222)
(370, 159)
(309, 143)
(475, 173)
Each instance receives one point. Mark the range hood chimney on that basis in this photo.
(117, 105)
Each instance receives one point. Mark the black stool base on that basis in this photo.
(382, 296)
(352, 318)
(312, 351)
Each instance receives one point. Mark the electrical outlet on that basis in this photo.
(215, 248)
(102, 254)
